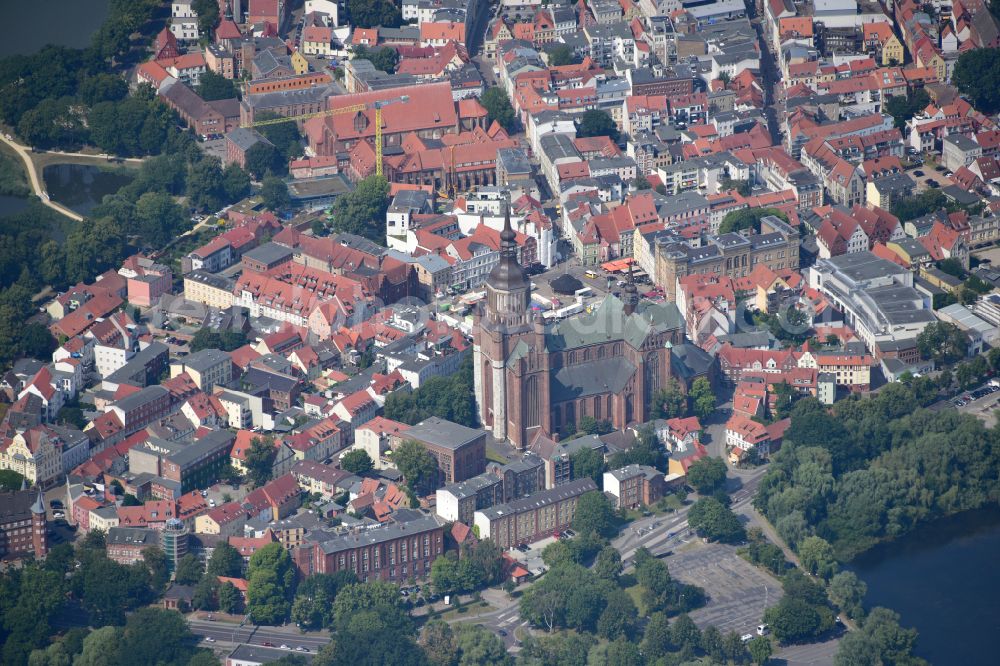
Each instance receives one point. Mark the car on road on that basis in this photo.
(284, 647)
(301, 649)
(502, 632)
(209, 639)
(267, 644)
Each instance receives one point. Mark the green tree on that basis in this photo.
(588, 462)
(477, 646)
(263, 159)
(596, 122)
(562, 54)
(817, 557)
(498, 108)
(702, 398)
(356, 462)
(235, 183)
(205, 187)
(225, 561)
(977, 74)
(617, 619)
(670, 402)
(208, 17)
(609, 563)
(748, 218)
(928, 201)
(793, 620)
(594, 513)
(943, 342)
(438, 643)
(385, 59)
(711, 644)
(657, 641)
(229, 597)
(157, 636)
(418, 466)
(37, 342)
(362, 211)
(715, 521)
(101, 647)
(642, 183)
(260, 460)
(760, 649)
(274, 192)
(848, 592)
(189, 570)
(707, 475)
(374, 13)
(903, 107)
(156, 561)
(212, 86)
(620, 652)
(10, 480)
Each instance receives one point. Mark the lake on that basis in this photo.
(941, 579)
(80, 186)
(31, 25)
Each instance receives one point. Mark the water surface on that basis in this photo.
(28, 26)
(942, 579)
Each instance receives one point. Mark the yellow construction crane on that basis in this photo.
(378, 105)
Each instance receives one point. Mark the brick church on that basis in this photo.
(533, 377)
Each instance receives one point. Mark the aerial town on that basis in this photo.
(499, 332)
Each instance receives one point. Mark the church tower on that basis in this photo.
(504, 319)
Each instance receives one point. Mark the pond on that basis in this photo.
(941, 579)
(81, 186)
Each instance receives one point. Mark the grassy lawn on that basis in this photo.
(13, 177)
(493, 456)
(469, 611)
(636, 593)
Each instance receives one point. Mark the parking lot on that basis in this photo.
(927, 176)
(737, 591)
(980, 402)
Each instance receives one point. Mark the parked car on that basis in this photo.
(918, 172)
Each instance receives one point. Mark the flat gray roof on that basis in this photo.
(538, 500)
(445, 434)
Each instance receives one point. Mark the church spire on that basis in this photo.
(631, 293)
(507, 285)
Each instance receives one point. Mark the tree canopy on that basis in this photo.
(977, 74)
(596, 122)
(418, 466)
(450, 398)
(362, 211)
(748, 218)
(498, 108)
(714, 520)
(385, 59)
(356, 462)
(847, 476)
(374, 13)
